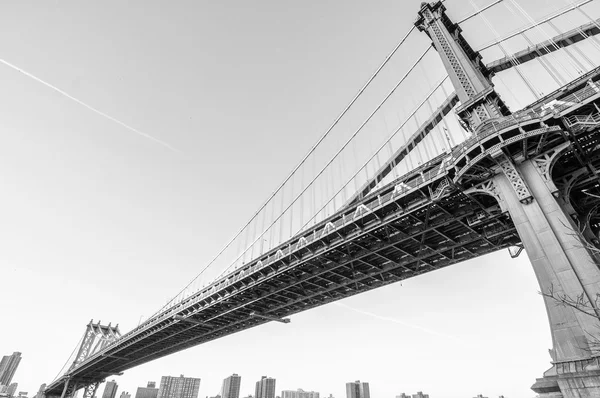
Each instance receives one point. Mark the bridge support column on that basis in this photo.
(69, 389)
(90, 390)
(562, 264)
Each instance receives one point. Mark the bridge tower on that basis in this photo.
(471, 79)
(524, 188)
(95, 338)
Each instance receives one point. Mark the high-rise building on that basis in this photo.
(11, 391)
(231, 386)
(357, 389)
(147, 392)
(110, 389)
(300, 393)
(265, 388)
(8, 367)
(420, 395)
(178, 387)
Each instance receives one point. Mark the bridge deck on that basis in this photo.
(424, 221)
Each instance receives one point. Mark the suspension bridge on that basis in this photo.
(460, 176)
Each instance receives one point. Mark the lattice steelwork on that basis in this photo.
(465, 82)
(511, 172)
(475, 89)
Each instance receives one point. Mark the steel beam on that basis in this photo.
(270, 318)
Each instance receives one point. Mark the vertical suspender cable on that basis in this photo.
(543, 31)
(578, 6)
(280, 217)
(355, 157)
(302, 197)
(510, 57)
(398, 129)
(554, 74)
(576, 49)
(435, 147)
(462, 131)
(314, 192)
(393, 135)
(593, 21)
(341, 170)
(418, 147)
(264, 222)
(520, 31)
(393, 161)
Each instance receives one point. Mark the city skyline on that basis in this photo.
(148, 233)
(186, 387)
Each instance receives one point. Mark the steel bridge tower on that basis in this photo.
(95, 338)
(525, 189)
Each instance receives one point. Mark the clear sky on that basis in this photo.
(98, 222)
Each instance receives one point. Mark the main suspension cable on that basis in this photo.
(480, 11)
(60, 372)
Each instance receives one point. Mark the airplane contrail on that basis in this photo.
(91, 108)
(394, 320)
